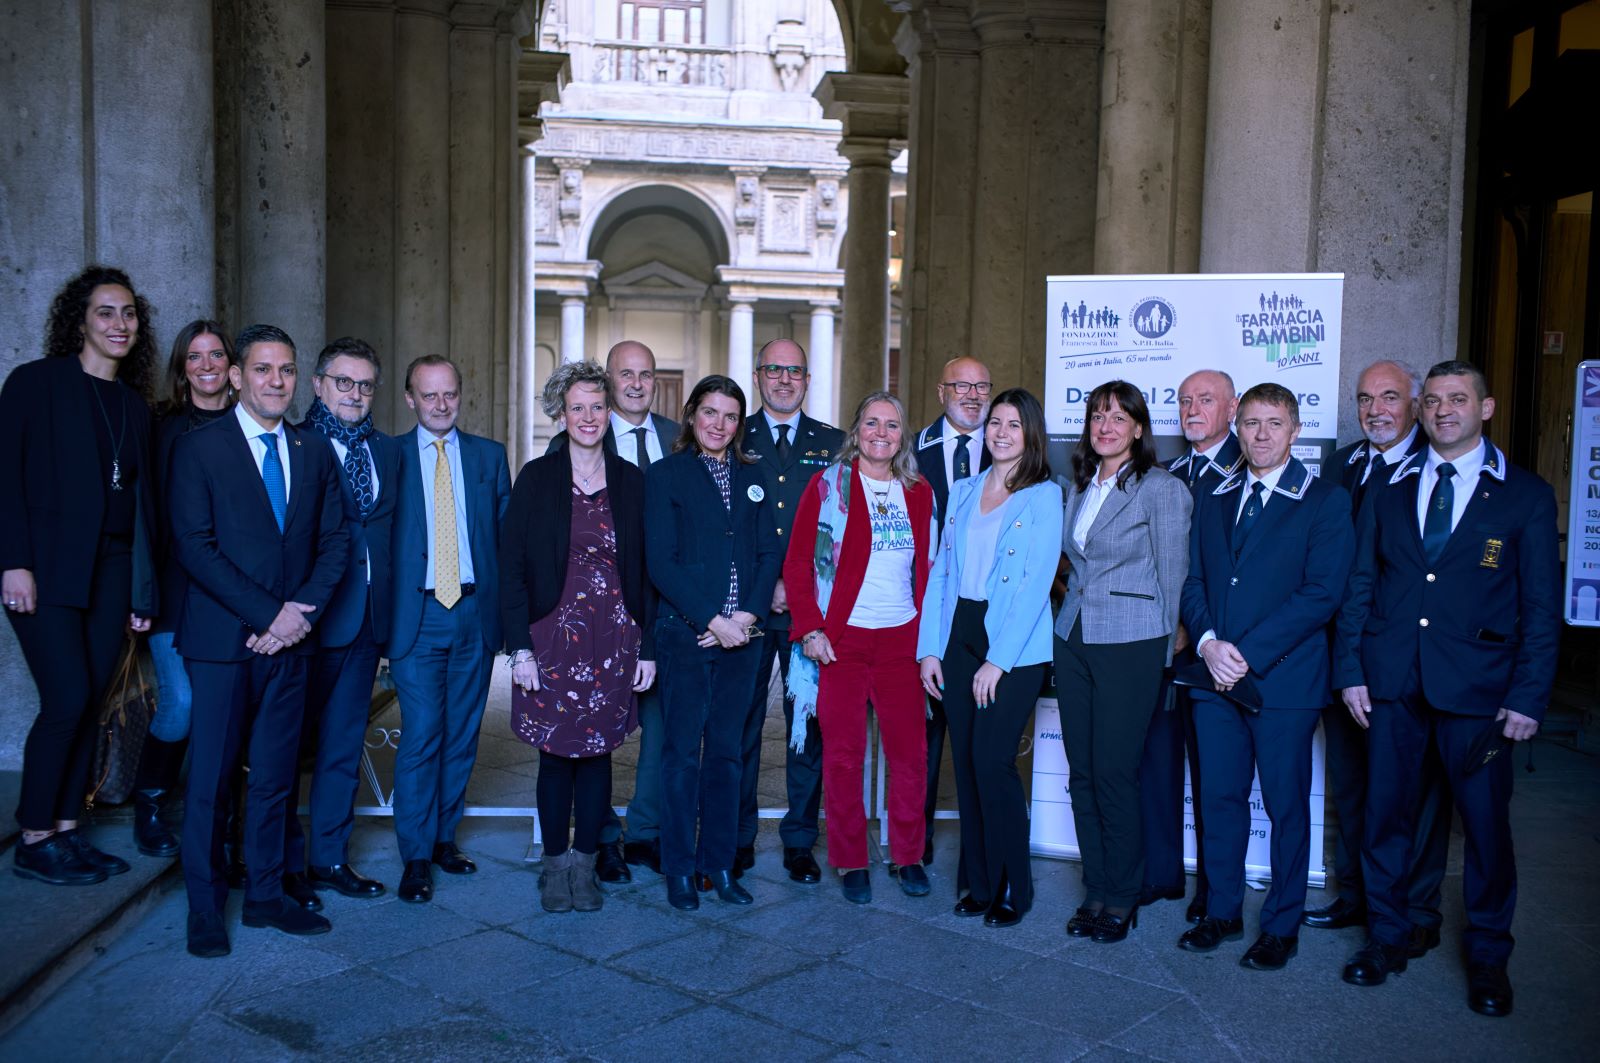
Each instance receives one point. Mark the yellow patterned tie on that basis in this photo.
(446, 559)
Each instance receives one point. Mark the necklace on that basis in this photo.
(116, 450)
(583, 481)
(882, 505)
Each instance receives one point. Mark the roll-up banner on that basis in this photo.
(1583, 502)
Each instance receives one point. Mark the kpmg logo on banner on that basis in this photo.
(1082, 326)
(1153, 317)
(1288, 332)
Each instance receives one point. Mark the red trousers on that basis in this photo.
(877, 666)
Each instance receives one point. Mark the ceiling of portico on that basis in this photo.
(868, 27)
(657, 222)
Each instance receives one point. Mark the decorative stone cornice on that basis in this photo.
(869, 105)
(714, 147)
(540, 78)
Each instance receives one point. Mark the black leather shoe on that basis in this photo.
(1196, 910)
(857, 886)
(728, 889)
(609, 866)
(1373, 963)
(1488, 990)
(1423, 940)
(344, 879)
(54, 860)
(802, 866)
(208, 938)
(287, 916)
(1081, 925)
(1002, 910)
(681, 892)
(913, 880)
(744, 858)
(149, 833)
(970, 906)
(1110, 929)
(1151, 894)
(416, 882)
(1270, 953)
(643, 854)
(111, 865)
(297, 887)
(1336, 916)
(452, 861)
(1209, 933)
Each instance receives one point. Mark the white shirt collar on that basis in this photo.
(621, 426)
(1467, 466)
(425, 438)
(1397, 453)
(252, 427)
(773, 421)
(1211, 452)
(1270, 479)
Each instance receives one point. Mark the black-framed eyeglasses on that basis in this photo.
(961, 387)
(344, 383)
(773, 372)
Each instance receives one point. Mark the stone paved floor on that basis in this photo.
(483, 974)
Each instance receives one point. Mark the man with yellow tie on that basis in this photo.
(445, 624)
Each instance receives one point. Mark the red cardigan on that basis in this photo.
(799, 572)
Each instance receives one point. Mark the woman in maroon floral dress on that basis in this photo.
(578, 616)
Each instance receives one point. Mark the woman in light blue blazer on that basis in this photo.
(984, 643)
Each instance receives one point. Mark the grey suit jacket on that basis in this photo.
(1127, 581)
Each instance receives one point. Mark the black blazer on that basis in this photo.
(666, 431)
(690, 539)
(537, 533)
(369, 539)
(930, 462)
(51, 477)
(173, 581)
(241, 569)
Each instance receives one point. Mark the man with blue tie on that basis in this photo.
(258, 526)
(444, 628)
(339, 688)
(1269, 553)
(1448, 638)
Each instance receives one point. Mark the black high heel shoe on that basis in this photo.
(1082, 923)
(1109, 928)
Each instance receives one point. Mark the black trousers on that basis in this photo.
(1107, 694)
(574, 790)
(1170, 743)
(802, 772)
(983, 751)
(71, 653)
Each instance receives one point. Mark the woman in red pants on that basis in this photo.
(855, 572)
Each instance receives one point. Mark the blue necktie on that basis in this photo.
(1441, 507)
(272, 477)
(1248, 517)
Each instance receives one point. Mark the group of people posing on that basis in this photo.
(646, 574)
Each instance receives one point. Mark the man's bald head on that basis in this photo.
(782, 376)
(964, 386)
(1206, 405)
(632, 369)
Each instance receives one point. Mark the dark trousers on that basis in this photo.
(577, 791)
(442, 683)
(338, 702)
(71, 654)
(983, 753)
(1347, 787)
(705, 698)
(1107, 694)
(261, 702)
(1401, 733)
(1162, 803)
(1276, 745)
(802, 773)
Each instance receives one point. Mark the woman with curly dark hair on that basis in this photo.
(75, 547)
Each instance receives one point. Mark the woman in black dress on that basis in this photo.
(579, 614)
(75, 547)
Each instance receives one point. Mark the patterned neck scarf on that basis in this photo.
(357, 464)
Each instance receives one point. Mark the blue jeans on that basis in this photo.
(174, 698)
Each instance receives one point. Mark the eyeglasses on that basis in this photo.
(773, 372)
(961, 387)
(344, 383)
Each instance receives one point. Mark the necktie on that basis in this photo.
(1249, 516)
(1441, 507)
(783, 444)
(963, 460)
(272, 477)
(446, 562)
(1196, 463)
(641, 453)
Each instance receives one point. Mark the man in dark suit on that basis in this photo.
(789, 447)
(951, 449)
(645, 438)
(1269, 553)
(339, 687)
(444, 625)
(1206, 405)
(1386, 408)
(258, 526)
(1448, 638)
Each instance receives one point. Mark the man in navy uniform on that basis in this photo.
(1448, 638)
(1269, 553)
(789, 447)
(950, 449)
(1386, 408)
(1206, 404)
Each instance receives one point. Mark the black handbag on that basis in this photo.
(130, 705)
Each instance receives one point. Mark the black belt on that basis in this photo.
(467, 590)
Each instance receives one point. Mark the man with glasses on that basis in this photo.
(789, 448)
(951, 449)
(342, 671)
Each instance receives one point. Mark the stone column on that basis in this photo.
(819, 350)
(540, 78)
(573, 312)
(741, 345)
(873, 108)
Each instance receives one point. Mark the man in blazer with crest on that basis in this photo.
(444, 625)
(948, 451)
(1386, 409)
(1269, 554)
(1448, 638)
(258, 526)
(789, 447)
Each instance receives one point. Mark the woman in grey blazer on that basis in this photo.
(1126, 534)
